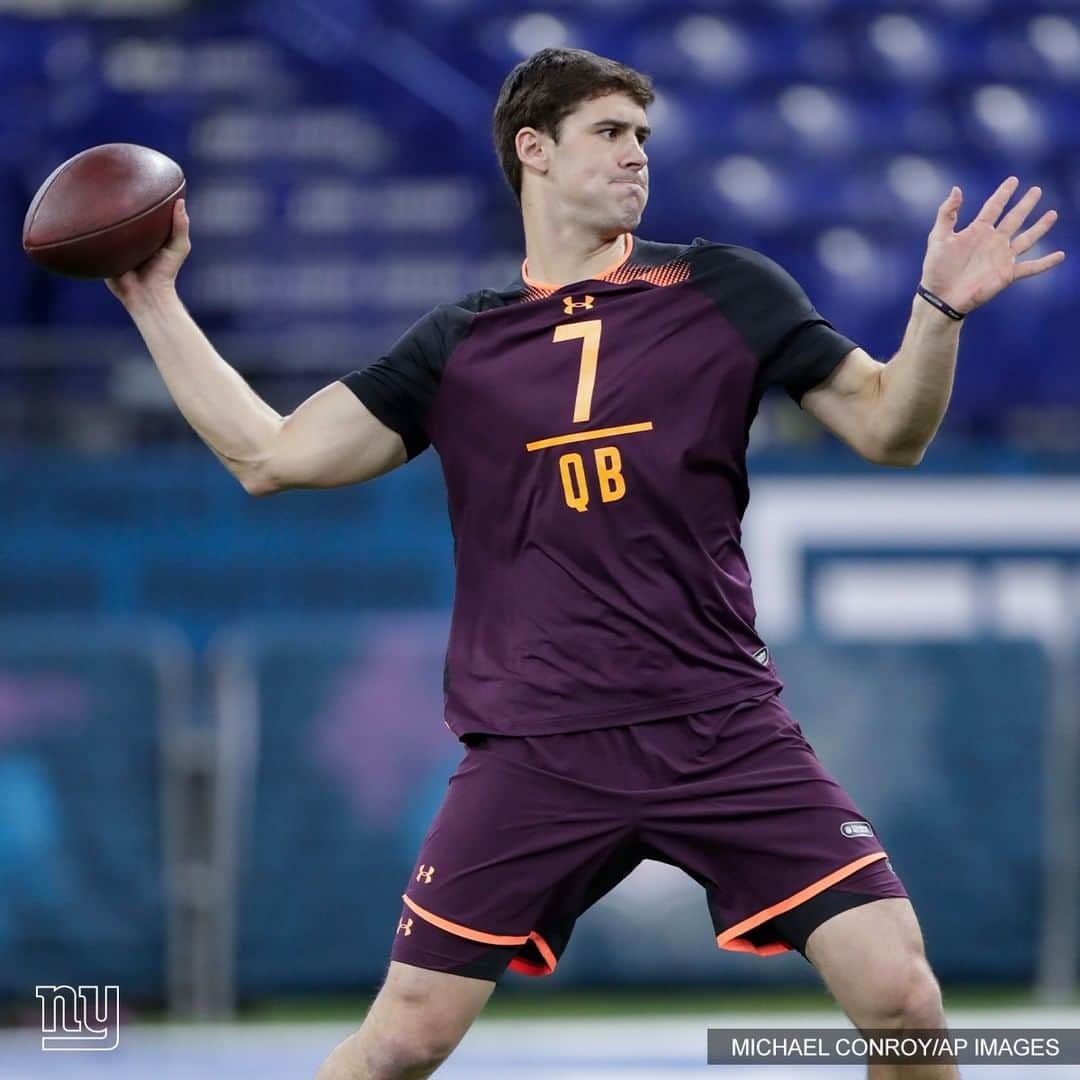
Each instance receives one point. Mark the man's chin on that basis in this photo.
(627, 219)
(636, 210)
(616, 220)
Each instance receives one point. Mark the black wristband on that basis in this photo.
(936, 301)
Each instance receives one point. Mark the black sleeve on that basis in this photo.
(796, 348)
(400, 387)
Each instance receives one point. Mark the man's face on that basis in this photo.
(599, 167)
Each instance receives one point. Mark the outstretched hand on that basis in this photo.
(969, 267)
(160, 270)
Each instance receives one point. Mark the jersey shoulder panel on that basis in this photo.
(486, 300)
(400, 387)
(795, 346)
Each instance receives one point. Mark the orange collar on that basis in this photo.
(629, 239)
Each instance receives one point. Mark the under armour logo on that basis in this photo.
(404, 926)
(584, 305)
(426, 874)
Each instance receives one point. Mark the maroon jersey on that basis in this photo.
(593, 439)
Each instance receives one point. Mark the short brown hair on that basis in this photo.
(544, 89)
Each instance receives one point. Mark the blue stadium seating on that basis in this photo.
(308, 133)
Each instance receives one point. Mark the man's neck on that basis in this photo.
(554, 261)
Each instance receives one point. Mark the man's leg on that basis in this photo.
(412, 1026)
(872, 960)
(481, 899)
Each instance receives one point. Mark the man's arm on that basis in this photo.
(330, 440)
(889, 413)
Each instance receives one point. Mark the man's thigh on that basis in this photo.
(518, 849)
(873, 961)
(778, 844)
(883, 929)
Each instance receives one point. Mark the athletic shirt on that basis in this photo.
(593, 441)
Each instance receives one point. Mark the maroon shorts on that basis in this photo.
(535, 829)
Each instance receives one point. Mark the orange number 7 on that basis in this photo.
(589, 332)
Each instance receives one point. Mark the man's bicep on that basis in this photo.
(845, 401)
(331, 440)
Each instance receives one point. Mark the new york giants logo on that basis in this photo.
(79, 1019)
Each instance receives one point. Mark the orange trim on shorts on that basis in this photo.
(742, 945)
(463, 931)
(732, 940)
(596, 277)
(545, 951)
(527, 967)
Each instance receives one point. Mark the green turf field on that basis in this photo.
(515, 1003)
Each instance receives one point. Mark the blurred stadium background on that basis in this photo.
(220, 736)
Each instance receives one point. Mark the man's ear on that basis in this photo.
(532, 149)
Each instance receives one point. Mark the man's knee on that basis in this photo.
(872, 959)
(406, 1055)
(902, 994)
(417, 1020)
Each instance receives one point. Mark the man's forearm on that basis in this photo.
(917, 382)
(237, 425)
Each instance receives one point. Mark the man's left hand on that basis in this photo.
(967, 268)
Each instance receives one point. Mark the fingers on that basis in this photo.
(1038, 266)
(995, 205)
(1019, 213)
(180, 219)
(1030, 237)
(179, 240)
(947, 214)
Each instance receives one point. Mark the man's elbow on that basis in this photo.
(257, 478)
(895, 455)
(903, 459)
(259, 485)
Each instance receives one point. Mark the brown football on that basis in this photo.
(103, 212)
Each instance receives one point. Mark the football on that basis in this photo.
(103, 212)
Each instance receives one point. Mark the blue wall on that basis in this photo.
(941, 745)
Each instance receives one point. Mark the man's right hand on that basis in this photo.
(158, 273)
